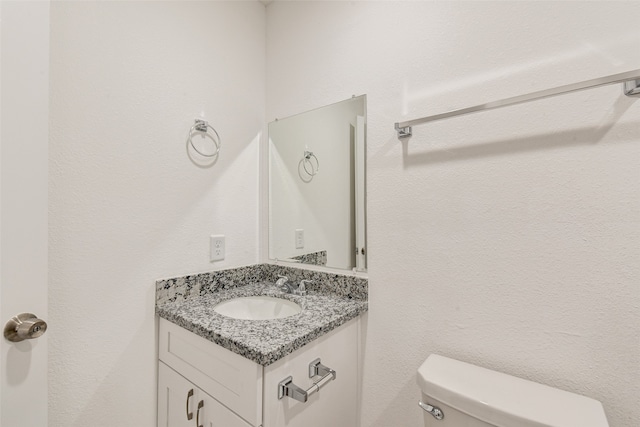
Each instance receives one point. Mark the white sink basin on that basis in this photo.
(257, 308)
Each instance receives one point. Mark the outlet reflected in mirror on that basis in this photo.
(317, 186)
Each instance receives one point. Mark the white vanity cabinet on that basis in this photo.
(237, 392)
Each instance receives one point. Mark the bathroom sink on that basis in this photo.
(257, 308)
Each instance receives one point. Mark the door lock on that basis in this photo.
(24, 326)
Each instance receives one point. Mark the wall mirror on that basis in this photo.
(317, 186)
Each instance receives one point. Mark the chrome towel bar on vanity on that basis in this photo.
(286, 387)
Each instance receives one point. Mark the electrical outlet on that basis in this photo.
(217, 247)
(299, 238)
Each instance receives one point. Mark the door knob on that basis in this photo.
(24, 326)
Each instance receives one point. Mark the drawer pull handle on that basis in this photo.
(200, 405)
(286, 387)
(189, 414)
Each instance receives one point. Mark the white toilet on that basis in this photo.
(458, 394)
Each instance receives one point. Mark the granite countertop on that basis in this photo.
(263, 341)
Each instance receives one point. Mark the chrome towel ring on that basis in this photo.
(307, 162)
(202, 127)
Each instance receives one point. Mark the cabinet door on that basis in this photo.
(214, 414)
(176, 399)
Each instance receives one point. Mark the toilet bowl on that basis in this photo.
(458, 394)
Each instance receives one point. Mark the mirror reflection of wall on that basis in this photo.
(317, 186)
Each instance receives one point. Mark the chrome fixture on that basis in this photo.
(433, 410)
(302, 288)
(283, 284)
(24, 326)
(632, 87)
(286, 387)
(630, 81)
(307, 162)
(202, 127)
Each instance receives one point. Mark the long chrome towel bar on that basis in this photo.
(630, 81)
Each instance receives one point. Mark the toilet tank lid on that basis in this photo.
(503, 400)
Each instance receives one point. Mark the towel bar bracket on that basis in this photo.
(403, 132)
(632, 88)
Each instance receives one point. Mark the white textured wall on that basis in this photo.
(508, 239)
(127, 205)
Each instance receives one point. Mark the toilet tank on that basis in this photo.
(472, 396)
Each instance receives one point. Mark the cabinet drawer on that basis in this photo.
(231, 379)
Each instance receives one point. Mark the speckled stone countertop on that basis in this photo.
(263, 341)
